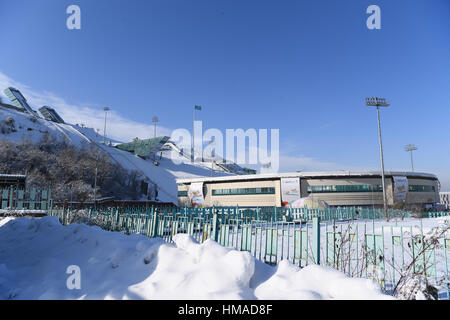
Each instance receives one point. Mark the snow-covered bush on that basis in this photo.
(412, 284)
(8, 125)
(68, 170)
(82, 216)
(417, 287)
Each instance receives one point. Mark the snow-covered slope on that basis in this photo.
(164, 175)
(28, 127)
(38, 252)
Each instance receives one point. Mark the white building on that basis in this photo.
(338, 188)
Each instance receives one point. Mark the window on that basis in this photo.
(419, 188)
(182, 193)
(243, 191)
(345, 188)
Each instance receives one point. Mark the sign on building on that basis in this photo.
(196, 194)
(400, 189)
(290, 189)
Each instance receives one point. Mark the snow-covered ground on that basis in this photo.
(370, 240)
(36, 252)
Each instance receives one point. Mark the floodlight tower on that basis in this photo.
(155, 120)
(410, 148)
(380, 102)
(106, 109)
(199, 108)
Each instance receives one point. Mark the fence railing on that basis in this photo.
(355, 243)
(264, 213)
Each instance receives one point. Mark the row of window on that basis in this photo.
(364, 188)
(345, 188)
(419, 188)
(312, 189)
(182, 193)
(235, 192)
(242, 191)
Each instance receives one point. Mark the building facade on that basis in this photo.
(340, 188)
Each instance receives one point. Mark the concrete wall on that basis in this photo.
(347, 198)
(422, 197)
(244, 200)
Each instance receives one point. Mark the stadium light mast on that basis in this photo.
(155, 120)
(199, 108)
(106, 109)
(380, 102)
(410, 148)
(95, 181)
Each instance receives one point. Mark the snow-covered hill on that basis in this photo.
(164, 175)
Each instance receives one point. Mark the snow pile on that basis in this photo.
(36, 253)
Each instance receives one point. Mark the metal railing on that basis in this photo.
(354, 241)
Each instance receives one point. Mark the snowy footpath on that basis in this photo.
(35, 254)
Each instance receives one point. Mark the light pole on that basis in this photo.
(380, 102)
(95, 180)
(106, 109)
(410, 148)
(155, 120)
(199, 108)
(213, 154)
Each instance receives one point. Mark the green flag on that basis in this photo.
(197, 108)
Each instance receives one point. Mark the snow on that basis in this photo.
(36, 253)
(36, 128)
(315, 282)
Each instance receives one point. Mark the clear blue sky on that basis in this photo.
(304, 67)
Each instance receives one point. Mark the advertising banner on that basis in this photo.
(195, 194)
(400, 189)
(290, 189)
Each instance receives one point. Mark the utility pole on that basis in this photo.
(380, 102)
(199, 108)
(95, 181)
(410, 148)
(106, 109)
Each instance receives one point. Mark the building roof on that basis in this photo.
(145, 146)
(325, 174)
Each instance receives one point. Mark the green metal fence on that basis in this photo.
(351, 240)
(25, 199)
(268, 213)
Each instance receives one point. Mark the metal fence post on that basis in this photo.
(215, 227)
(316, 239)
(64, 217)
(11, 192)
(155, 222)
